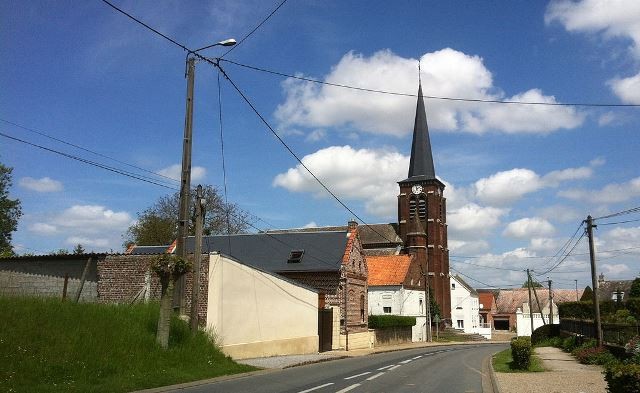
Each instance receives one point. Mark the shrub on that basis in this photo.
(622, 378)
(389, 321)
(550, 342)
(569, 344)
(587, 344)
(544, 332)
(594, 355)
(521, 353)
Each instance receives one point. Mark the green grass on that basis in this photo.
(502, 363)
(50, 346)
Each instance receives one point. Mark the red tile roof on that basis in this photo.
(509, 301)
(388, 269)
(486, 299)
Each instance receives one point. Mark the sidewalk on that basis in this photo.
(565, 375)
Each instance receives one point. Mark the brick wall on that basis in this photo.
(122, 277)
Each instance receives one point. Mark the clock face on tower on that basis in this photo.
(417, 189)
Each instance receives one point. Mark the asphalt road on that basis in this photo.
(442, 369)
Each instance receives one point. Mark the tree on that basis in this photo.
(10, 212)
(158, 225)
(533, 284)
(78, 249)
(587, 295)
(169, 268)
(635, 288)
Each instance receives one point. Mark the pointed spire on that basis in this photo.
(421, 164)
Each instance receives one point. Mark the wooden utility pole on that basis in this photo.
(85, 271)
(535, 293)
(550, 305)
(197, 257)
(427, 301)
(594, 281)
(530, 305)
(185, 180)
(576, 290)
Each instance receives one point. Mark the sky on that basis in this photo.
(520, 179)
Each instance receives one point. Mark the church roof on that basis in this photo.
(421, 165)
(388, 269)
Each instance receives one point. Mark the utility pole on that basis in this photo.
(535, 293)
(185, 180)
(427, 301)
(530, 305)
(576, 290)
(550, 305)
(197, 257)
(594, 282)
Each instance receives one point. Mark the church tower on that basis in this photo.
(421, 199)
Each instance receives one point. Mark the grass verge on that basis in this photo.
(502, 363)
(50, 346)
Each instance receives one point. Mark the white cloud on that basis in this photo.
(364, 174)
(529, 228)
(45, 184)
(445, 73)
(92, 219)
(312, 224)
(613, 271)
(619, 18)
(175, 171)
(471, 247)
(507, 187)
(471, 221)
(87, 242)
(42, 228)
(316, 135)
(560, 213)
(627, 89)
(544, 245)
(611, 193)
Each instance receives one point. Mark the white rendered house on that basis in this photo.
(465, 306)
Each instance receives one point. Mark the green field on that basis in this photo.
(50, 346)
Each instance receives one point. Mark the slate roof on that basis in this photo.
(323, 250)
(607, 288)
(421, 164)
(509, 300)
(388, 270)
(371, 235)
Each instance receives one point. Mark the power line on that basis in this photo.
(255, 28)
(564, 247)
(563, 259)
(479, 100)
(488, 267)
(619, 222)
(628, 211)
(89, 162)
(85, 149)
(481, 282)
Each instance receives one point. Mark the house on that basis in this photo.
(329, 261)
(487, 306)
(396, 287)
(613, 290)
(510, 301)
(465, 311)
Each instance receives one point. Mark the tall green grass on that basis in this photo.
(50, 346)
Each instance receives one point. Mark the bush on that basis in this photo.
(594, 355)
(521, 352)
(544, 332)
(569, 344)
(389, 321)
(550, 342)
(587, 344)
(622, 378)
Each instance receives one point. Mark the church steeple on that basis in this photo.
(421, 164)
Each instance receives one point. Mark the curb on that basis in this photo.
(186, 385)
(495, 386)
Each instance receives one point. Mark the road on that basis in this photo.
(455, 368)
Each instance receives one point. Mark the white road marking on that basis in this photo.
(374, 376)
(382, 368)
(394, 367)
(417, 357)
(359, 375)
(355, 385)
(406, 361)
(317, 387)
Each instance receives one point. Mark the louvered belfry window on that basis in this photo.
(422, 208)
(412, 207)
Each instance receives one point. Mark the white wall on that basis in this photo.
(255, 314)
(465, 307)
(523, 320)
(406, 302)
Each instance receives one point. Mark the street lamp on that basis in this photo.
(185, 177)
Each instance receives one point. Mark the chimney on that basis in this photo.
(352, 225)
(601, 279)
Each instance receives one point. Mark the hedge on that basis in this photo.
(544, 332)
(623, 378)
(521, 353)
(389, 321)
(584, 310)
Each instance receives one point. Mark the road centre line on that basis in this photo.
(394, 367)
(317, 387)
(382, 368)
(355, 385)
(417, 357)
(374, 376)
(358, 375)
(406, 361)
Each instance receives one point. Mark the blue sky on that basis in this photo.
(520, 178)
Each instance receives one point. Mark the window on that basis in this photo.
(453, 285)
(615, 294)
(422, 208)
(412, 207)
(295, 256)
(386, 310)
(420, 302)
(460, 324)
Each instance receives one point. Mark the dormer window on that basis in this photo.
(295, 256)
